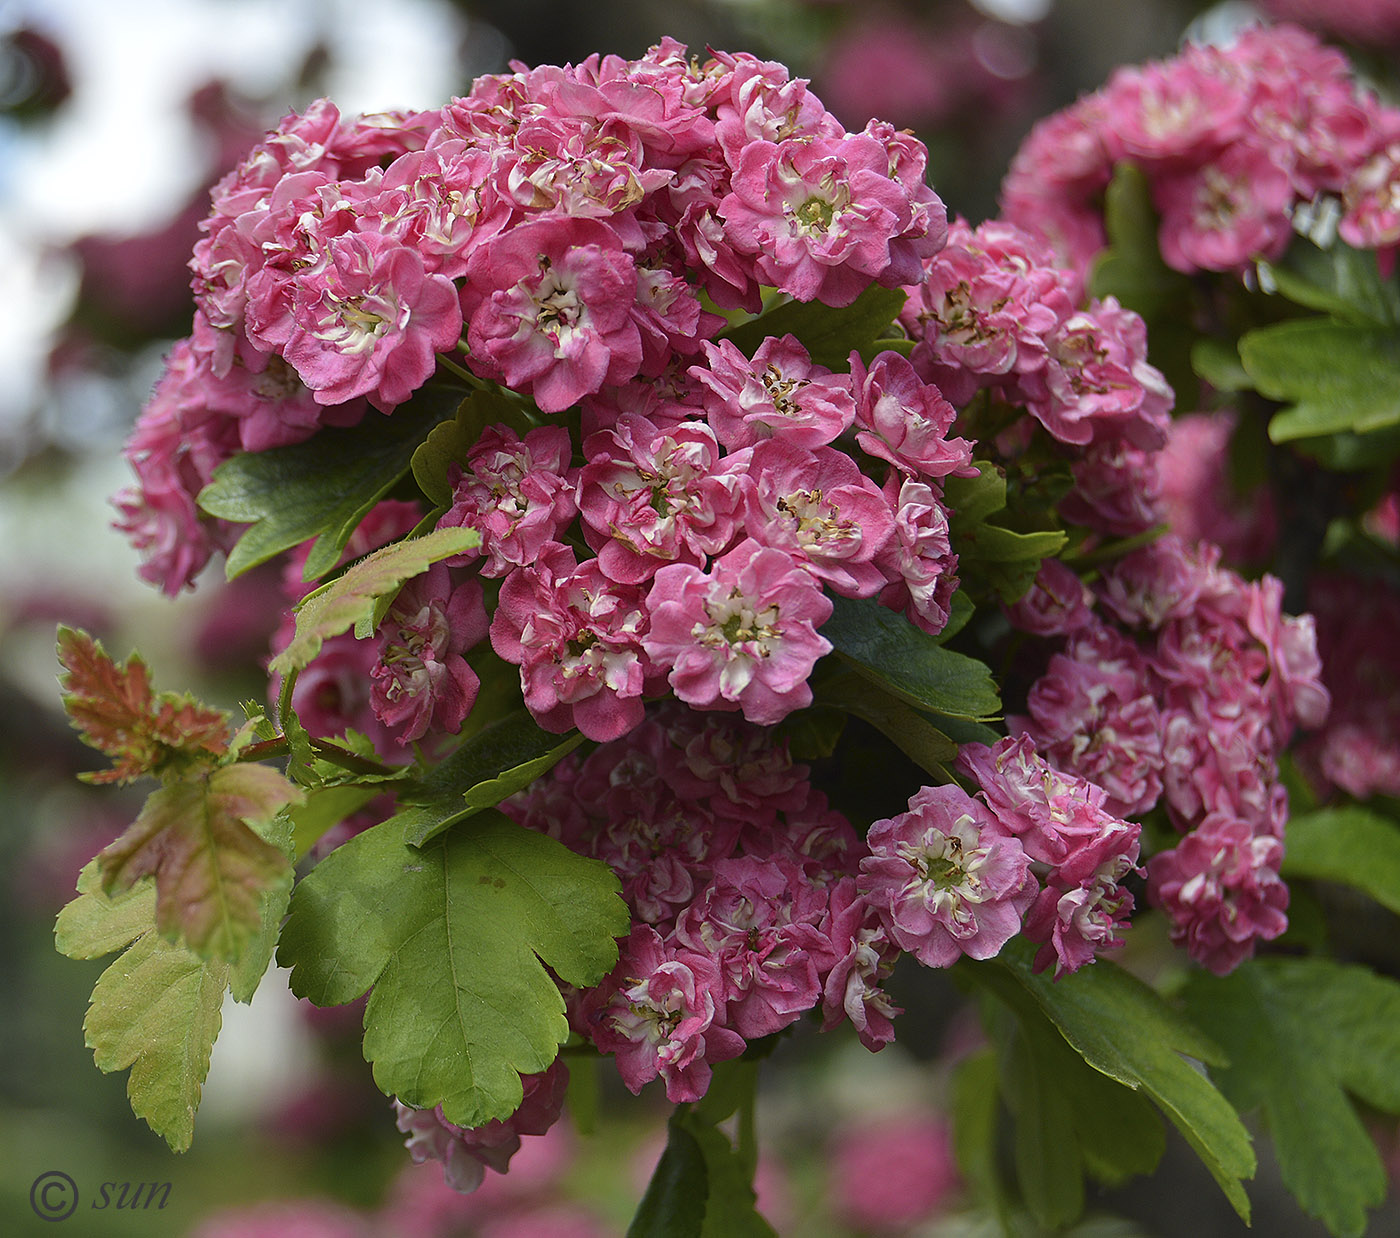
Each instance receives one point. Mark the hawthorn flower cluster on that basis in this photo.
(559, 224)
(671, 506)
(1180, 682)
(1234, 141)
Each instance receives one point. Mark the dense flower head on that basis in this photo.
(1221, 890)
(1232, 140)
(577, 638)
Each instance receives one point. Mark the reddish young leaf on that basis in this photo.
(211, 868)
(115, 711)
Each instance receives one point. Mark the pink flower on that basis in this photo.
(946, 878)
(370, 321)
(421, 680)
(889, 1173)
(576, 637)
(781, 393)
(918, 561)
(852, 986)
(1057, 603)
(759, 919)
(1096, 384)
(1221, 889)
(820, 508)
(1093, 713)
(743, 636)
(549, 306)
(649, 497)
(991, 298)
(661, 1012)
(905, 420)
(517, 493)
(1220, 215)
(822, 217)
(467, 1152)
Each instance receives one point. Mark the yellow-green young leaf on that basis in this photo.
(212, 869)
(349, 600)
(155, 1009)
(454, 939)
(1128, 1032)
(1301, 1034)
(94, 925)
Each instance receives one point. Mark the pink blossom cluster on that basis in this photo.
(717, 519)
(556, 229)
(742, 883)
(1233, 141)
(1180, 682)
(1358, 751)
(412, 681)
(996, 312)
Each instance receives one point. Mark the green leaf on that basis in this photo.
(1336, 376)
(454, 940)
(674, 1203)
(1125, 1030)
(1131, 268)
(973, 1108)
(1300, 1034)
(325, 807)
(729, 1202)
(1337, 280)
(911, 732)
(997, 545)
(350, 600)
(1350, 845)
(1071, 1118)
(321, 488)
(492, 765)
(829, 335)
(212, 869)
(449, 441)
(1049, 1166)
(156, 1009)
(1218, 362)
(971, 500)
(890, 651)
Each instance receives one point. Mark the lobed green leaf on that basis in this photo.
(1335, 376)
(1301, 1033)
(454, 940)
(449, 441)
(1125, 1030)
(155, 1010)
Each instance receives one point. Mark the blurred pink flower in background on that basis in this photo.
(889, 1173)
